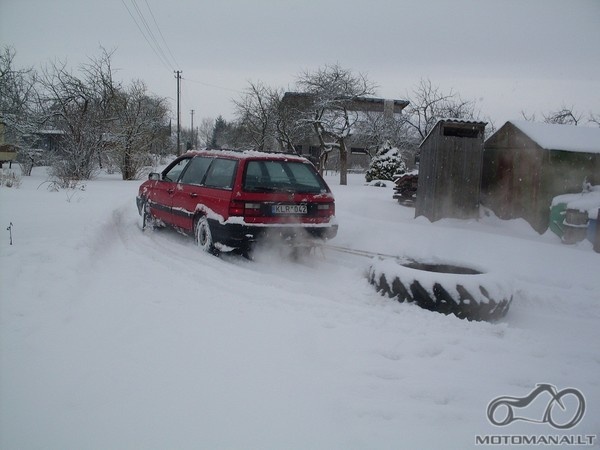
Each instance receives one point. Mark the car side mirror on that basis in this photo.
(153, 176)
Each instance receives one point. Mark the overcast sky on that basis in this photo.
(509, 56)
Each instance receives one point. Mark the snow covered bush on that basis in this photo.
(386, 164)
(55, 184)
(9, 179)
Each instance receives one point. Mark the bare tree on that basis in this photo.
(266, 121)
(205, 131)
(256, 112)
(527, 117)
(17, 107)
(100, 119)
(16, 88)
(79, 106)
(428, 104)
(379, 130)
(289, 125)
(563, 116)
(139, 125)
(331, 92)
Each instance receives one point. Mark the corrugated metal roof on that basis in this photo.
(451, 120)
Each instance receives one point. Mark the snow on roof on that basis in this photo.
(561, 137)
(247, 154)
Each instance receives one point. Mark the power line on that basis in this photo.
(148, 35)
(149, 32)
(214, 86)
(161, 35)
(144, 36)
(145, 27)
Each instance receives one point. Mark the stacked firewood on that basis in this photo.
(405, 190)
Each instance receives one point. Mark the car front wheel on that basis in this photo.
(203, 235)
(148, 220)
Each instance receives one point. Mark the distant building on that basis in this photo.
(358, 156)
(8, 151)
(48, 141)
(526, 164)
(38, 145)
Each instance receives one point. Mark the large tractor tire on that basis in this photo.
(468, 293)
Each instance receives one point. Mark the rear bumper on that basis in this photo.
(238, 235)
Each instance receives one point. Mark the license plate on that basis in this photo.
(289, 209)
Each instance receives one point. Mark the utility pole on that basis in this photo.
(193, 140)
(178, 77)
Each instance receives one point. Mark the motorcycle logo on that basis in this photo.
(501, 410)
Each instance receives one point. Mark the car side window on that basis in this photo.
(195, 172)
(172, 173)
(221, 173)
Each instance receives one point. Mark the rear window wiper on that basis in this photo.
(262, 188)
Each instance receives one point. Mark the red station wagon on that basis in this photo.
(229, 200)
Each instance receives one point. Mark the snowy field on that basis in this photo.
(114, 338)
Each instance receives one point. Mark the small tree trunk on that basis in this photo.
(343, 163)
(127, 163)
(323, 161)
(322, 152)
(27, 163)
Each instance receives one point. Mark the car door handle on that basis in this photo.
(170, 191)
(193, 195)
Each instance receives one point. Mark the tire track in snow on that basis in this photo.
(329, 285)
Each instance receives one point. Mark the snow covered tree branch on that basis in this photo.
(331, 94)
(428, 104)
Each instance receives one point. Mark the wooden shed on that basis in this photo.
(527, 164)
(450, 170)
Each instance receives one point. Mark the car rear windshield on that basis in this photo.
(282, 176)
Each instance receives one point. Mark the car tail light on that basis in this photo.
(325, 209)
(236, 208)
(239, 208)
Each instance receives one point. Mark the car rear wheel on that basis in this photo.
(203, 235)
(148, 220)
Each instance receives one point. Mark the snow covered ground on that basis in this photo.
(111, 338)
